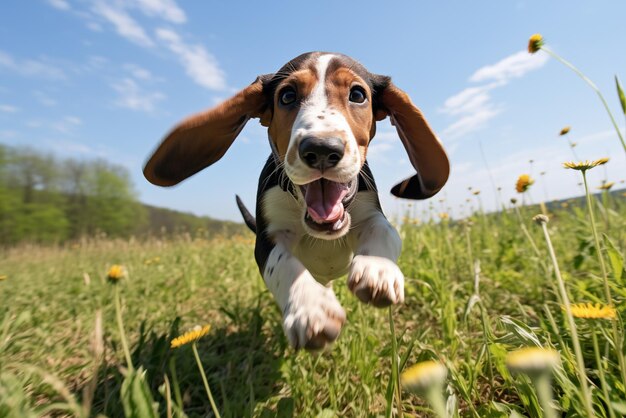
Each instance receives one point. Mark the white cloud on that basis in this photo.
(30, 67)
(67, 125)
(199, 64)
(138, 72)
(165, 9)
(513, 66)
(59, 4)
(472, 122)
(44, 99)
(469, 100)
(132, 97)
(8, 108)
(124, 24)
(473, 106)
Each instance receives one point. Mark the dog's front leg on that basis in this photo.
(312, 316)
(374, 276)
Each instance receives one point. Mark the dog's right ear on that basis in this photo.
(203, 138)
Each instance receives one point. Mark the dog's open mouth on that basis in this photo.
(326, 204)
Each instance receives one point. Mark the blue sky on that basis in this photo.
(95, 78)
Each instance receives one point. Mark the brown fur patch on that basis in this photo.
(303, 81)
(358, 115)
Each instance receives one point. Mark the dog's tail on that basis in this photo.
(247, 216)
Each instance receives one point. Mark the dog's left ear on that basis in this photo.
(424, 149)
(203, 138)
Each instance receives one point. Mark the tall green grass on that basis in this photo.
(475, 290)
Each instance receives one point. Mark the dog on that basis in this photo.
(318, 216)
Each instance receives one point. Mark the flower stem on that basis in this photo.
(436, 400)
(605, 390)
(582, 375)
(177, 395)
(617, 337)
(120, 324)
(394, 364)
(593, 86)
(544, 393)
(204, 380)
(529, 238)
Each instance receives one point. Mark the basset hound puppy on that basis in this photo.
(318, 216)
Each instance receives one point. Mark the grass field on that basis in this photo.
(475, 290)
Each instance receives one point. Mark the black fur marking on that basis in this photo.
(270, 177)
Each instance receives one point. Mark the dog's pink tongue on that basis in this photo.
(323, 200)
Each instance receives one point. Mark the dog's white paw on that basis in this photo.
(312, 317)
(376, 280)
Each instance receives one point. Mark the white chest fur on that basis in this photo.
(325, 259)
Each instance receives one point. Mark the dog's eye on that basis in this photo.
(357, 95)
(287, 96)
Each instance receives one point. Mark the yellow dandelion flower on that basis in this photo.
(607, 185)
(422, 376)
(585, 165)
(535, 43)
(116, 273)
(190, 336)
(3, 277)
(591, 311)
(476, 192)
(523, 183)
(565, 131)
(444, 216)
(532, 360)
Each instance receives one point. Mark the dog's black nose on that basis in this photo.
(321, 153)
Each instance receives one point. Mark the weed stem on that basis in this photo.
(605, 280)
(586, 394)
(204, 379)
(120, 324)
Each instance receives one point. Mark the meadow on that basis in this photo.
(475, 290)
(507, 314)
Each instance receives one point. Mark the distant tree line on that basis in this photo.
(44, 198)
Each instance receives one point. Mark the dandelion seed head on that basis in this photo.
(541, 219)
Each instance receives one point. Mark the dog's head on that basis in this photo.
(321, 111)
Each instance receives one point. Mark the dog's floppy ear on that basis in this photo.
(203, 138)
(424, 149)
